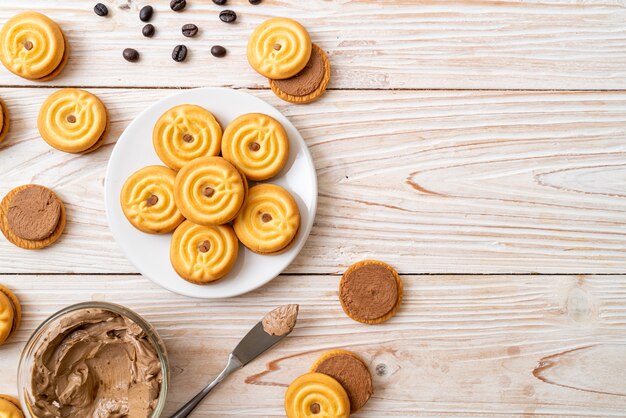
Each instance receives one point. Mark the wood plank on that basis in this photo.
(460, 345)
(432, 182)
(444, 44)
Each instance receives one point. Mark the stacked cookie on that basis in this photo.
(205, 198)
(281, 50)
(337, 385)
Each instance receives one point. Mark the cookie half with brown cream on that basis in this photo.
(32, 216)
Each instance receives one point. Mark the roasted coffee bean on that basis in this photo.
(179, 53)
(218, 51)
(145, 14)
(255, 2)
(228, 16)
(190, 30)
(148, 30)
(219, 2)
(100, 9)
(131, 55)
(178, 5)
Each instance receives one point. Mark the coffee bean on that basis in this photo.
(218, 51)
(178, 5)
(148, 30)
(228, 16)
(131, 55)
(179, 53)
(100, 9)
(145, 14)
(255, 2)
(219, 2)
(190, 30)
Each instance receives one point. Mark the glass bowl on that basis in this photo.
(25, 369)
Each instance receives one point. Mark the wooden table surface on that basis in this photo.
(477, 146)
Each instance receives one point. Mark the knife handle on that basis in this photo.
(232, 365)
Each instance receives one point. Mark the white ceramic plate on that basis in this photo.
(150, 253)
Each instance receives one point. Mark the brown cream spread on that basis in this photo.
(353, 375)
(307, 80)
(95, 363)
(281, 320)
(369, 291)
(34, 213)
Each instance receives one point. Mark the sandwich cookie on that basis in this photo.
(33, 46)
(32, 217)
(4, 120)
(370, 292)
(269, 220)
(256, 144)
(10, 314)
(147, 200)
(350, 371)
(73, 120)
(203, 254)
(309, 84)
(279, 48)
(316, 395)
(209, 191)
(184, 133)
(10, 407)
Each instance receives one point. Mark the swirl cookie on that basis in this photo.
(350, 371)
(269, 220)
(257, 145)
(203, 254)
(73, 120)
(147, 200)
(209, 191)
(316, 394)
(370, 292)
(309, 84)
(10, 407)
(10, 314)
(33, 46)
(32, 217)
(184, 133)
(4, 121)
(279, 48)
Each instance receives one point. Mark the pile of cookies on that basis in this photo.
(205, 198)
(337, 385)
(281, 50)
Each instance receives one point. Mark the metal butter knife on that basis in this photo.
(255, 343)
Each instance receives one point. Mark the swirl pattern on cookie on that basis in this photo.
(316, 395)
(184, 133)
(279, 48)
(73, 120)
(203, 254)
(257, 144)
(269, 220)
(31, 45)
(147, 200)
(4, 120)
(209, 191)
(7, 317)
(10, 407)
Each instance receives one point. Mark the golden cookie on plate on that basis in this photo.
(316, 395)
(147, 200)
(269, 220)
(73, 120)
(184, 133)
(10, 407)
(10, 313)
(203, 254)
(279, 48)
(32, 217)
(256, 144)
(4, 120)
(33, 46)
(209, 191)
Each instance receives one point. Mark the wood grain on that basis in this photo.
(460, 345)
(432, 182)
(372, 44)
